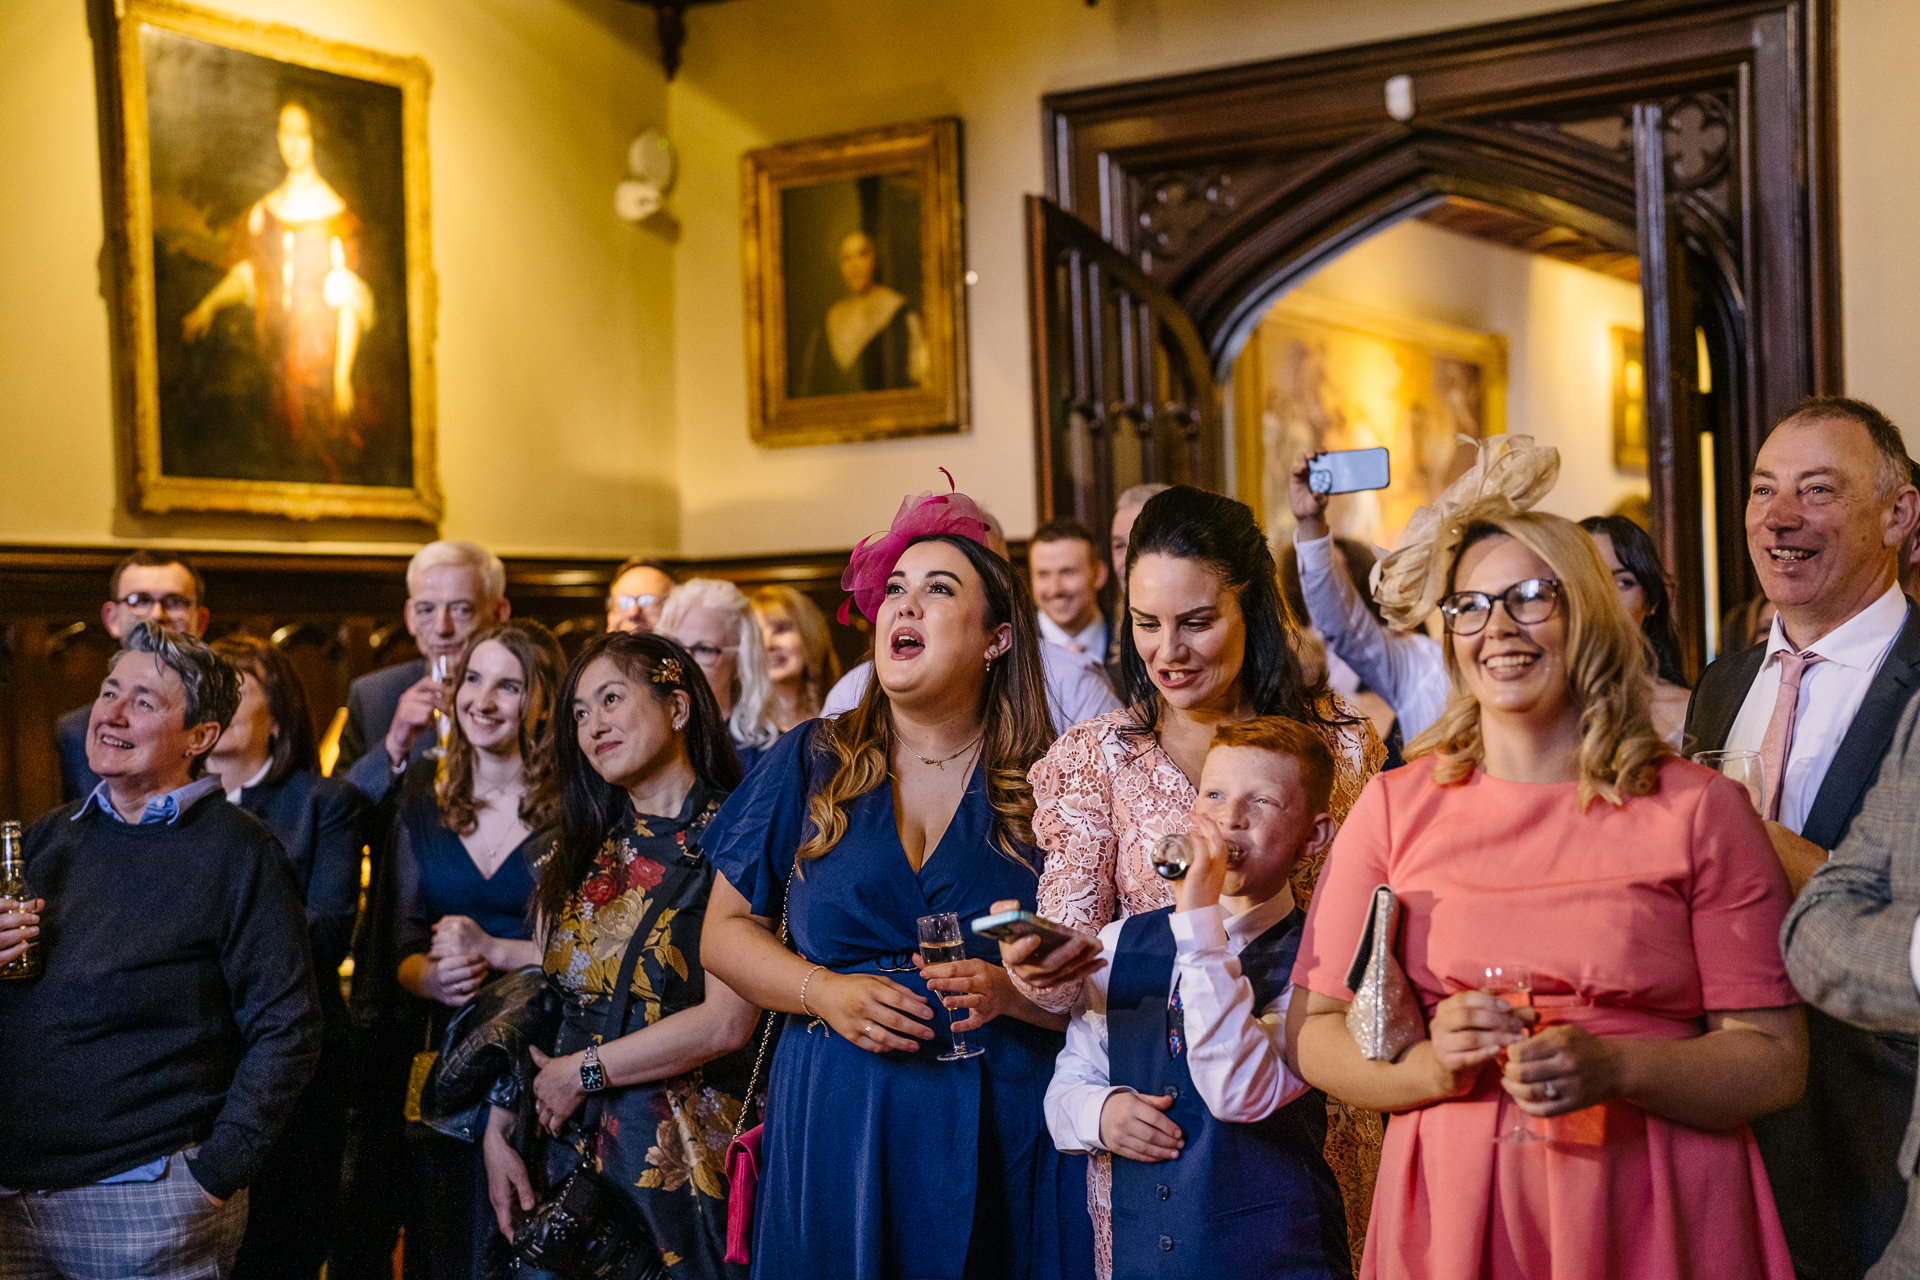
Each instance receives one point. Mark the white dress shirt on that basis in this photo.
(1405, 668)
(1831, 692)
(1077, 688)
(233, 796)
(1092, 638)
(1233, 1050)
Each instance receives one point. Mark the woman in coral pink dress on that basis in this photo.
(1550, 829)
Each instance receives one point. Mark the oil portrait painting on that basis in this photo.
(276, 292)
(856, 328)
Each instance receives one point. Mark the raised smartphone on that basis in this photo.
(1349, 471)
(1006, 926)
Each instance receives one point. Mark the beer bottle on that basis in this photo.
(13, 884)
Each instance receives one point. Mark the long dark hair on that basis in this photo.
(294, 748)
(540, 659)
(1016, 729)
(589, 804)
(1638, 555)
(1191, 524)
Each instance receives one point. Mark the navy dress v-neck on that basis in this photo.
(897, 1166)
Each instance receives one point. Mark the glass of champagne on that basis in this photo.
(940, 943)
(1513, 984)
(1743, 767)
(442, 722)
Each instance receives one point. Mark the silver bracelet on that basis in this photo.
(803, 992)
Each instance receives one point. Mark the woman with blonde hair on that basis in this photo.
(1545, 843)
(801, 663)
(712, 620)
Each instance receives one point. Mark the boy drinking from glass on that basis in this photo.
(1174, 1061)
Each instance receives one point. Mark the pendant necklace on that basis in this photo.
(941, 763)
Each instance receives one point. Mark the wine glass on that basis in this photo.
(1743, 767)
(442, 722)
(1514, 984)
(940, 943)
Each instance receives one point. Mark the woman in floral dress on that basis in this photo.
(641, 776)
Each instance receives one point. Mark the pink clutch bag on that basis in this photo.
(743, 1178)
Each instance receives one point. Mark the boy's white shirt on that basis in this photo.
(1233, 1053)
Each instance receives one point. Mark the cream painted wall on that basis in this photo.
(555, 389)
(764, 71)
(1556, 319)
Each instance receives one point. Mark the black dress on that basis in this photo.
(290, 1210)
(664, 1141)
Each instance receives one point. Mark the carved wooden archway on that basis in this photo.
(1697, 135)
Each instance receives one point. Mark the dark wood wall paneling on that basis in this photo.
(337, 617)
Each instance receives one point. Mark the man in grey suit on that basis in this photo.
(1853, 950)
(453, 590)
(1829, 508)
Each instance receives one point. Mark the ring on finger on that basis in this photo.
(1551, 1090)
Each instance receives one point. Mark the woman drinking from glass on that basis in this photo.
(712, 620)
(642, 772)
(1550, 831)
(801, 663)
(268, 764)
(879, 1159)
(1206, 644)
(467, 849)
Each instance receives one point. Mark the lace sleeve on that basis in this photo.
(1358, 754)
(1073, 827)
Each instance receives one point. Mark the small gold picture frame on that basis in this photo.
(270, 267)
(1629, 402)
(856, 303)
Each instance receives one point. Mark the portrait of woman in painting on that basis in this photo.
(852, 287)
(871, 340)
(296, 254)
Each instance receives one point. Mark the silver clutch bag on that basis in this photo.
(1385, 1016)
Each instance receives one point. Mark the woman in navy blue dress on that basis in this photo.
(878, 1161)
(466, 850)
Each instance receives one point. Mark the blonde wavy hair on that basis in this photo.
(816, 642)
(1609, 671)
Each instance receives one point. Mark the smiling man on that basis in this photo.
(1829, 508)
(151, 1065)
(1068, 573)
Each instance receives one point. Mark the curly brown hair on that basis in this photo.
(540, 658)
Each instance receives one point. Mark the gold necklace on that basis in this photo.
(941, 763)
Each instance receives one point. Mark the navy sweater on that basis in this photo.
(177, 1007)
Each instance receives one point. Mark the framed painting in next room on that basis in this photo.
(270, 269)
(856, 306)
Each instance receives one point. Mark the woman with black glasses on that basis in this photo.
(714, 622)
(1590, 930)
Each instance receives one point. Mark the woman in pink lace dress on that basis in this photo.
(1207, 644)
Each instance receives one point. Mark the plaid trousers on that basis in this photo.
(164, 1230)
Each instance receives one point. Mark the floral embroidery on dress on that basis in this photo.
(1102, 798)
(690, 1143)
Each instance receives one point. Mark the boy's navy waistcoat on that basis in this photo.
(1243, 1199)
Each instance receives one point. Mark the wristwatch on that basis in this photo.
(593, 1076)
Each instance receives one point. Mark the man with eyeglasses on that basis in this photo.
(453, 590)
(155, 586)
(638, 593)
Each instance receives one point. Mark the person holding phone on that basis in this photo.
(1205, 645)
(878, 1160)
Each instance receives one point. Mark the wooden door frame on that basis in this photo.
(1320, 165)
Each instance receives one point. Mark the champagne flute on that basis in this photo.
(1743, 767)
(442, 722)
(940, 943)
(1514, 984)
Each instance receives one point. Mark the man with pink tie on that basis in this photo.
(1829, 507)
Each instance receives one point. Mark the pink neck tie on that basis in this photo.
(1775, 747)
(1074, 646)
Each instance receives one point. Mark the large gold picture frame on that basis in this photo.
(1326, 373)
(270, 267)
(856, 306)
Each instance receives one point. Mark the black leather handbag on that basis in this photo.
(587, 1228)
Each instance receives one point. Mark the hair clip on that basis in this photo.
(668, 672)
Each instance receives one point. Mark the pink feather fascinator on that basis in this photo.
(873, 560)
